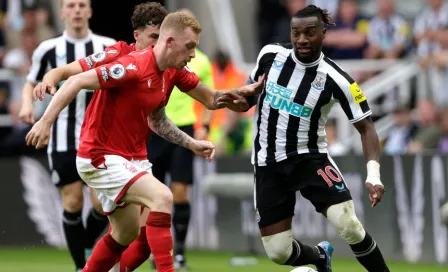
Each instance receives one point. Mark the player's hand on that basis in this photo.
(39, 134)
(200, 133)
(252, 89)
(203, 148)
(41, 89)
(26, 113)
(376, 191)
(233, 101)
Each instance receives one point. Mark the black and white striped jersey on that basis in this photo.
(56, 52)
(293, 107)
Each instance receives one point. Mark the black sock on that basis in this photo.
(369, 255)
(303, 255)
(96, 223)
(75, 237)
(181, 219)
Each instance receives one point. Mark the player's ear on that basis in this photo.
(136, 34)
(324, 33)
(170, 42)
(90, 12)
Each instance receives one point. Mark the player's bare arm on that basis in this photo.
(371, 148)
(40, 133)
(159, 122)
(26, 113)
(54, 77)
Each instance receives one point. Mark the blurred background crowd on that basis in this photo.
(366, 30)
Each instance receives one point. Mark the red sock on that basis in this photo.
(136, 254)
(158, 233)
(105, 255)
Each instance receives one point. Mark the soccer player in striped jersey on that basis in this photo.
(76, 42)
(290, 149)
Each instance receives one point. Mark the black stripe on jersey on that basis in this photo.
(294, 121)
(340, 96)
(48, 58)
(283, 80)
(71, 119)
(89, 48)
(265, 61)
(364, 106)
(340, 71)
(323, 100)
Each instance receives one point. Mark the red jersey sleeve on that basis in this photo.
(110, 54)
(186, 80)
(124, 71)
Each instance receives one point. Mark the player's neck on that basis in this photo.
(161, 60)
(77, 34)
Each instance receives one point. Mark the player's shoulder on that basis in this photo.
(273, 48)
(336, 72)
(49, 44)
(107, 41)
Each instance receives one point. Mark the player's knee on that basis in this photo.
(72, 201)
(342, 216)
(180, 192)
(163, 201)
(278, 247)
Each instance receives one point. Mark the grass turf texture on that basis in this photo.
(52, 260)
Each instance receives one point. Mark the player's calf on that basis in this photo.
(282, 249)
(342, 216)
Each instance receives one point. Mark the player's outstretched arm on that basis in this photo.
(54, 77)
(39, 134)
(159, 122)
(26, 113)
(371, 148)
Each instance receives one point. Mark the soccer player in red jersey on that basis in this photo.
(134, 88)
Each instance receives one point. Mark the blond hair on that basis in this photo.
(180, 21)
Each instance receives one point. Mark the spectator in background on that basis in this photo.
(402, 133)
(347, 40)
(427, 30)
(330, 5)
(335, 147)
(429, 132)
(227, 128)
(443, 144)
(388, 33)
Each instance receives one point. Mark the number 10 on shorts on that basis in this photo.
(330, 175)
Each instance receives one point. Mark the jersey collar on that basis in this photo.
(73, 40)
(307, 64)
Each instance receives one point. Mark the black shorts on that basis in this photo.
(314, 175)
(63, 168)
(167, 157)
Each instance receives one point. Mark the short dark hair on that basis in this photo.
(149, 13)
(313, 11)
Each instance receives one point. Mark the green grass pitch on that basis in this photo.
(53, 260)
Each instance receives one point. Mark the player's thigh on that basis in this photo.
(144, 216)
(159, 154)
(324, 184)
(181, 169)
(274, 202)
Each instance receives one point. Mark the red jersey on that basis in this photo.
(131, 88)
(111, 53)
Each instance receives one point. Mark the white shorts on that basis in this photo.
(111, 177)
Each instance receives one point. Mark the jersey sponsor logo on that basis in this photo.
(104, 73)
(117, 71)
(280, 98)
(357, 93)
(278, 65)
(131, 67)
(319, 83)
(99, 56)
(89, 61)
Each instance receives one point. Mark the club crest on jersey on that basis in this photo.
(319, 83)
(99, 56)
(117, 71)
